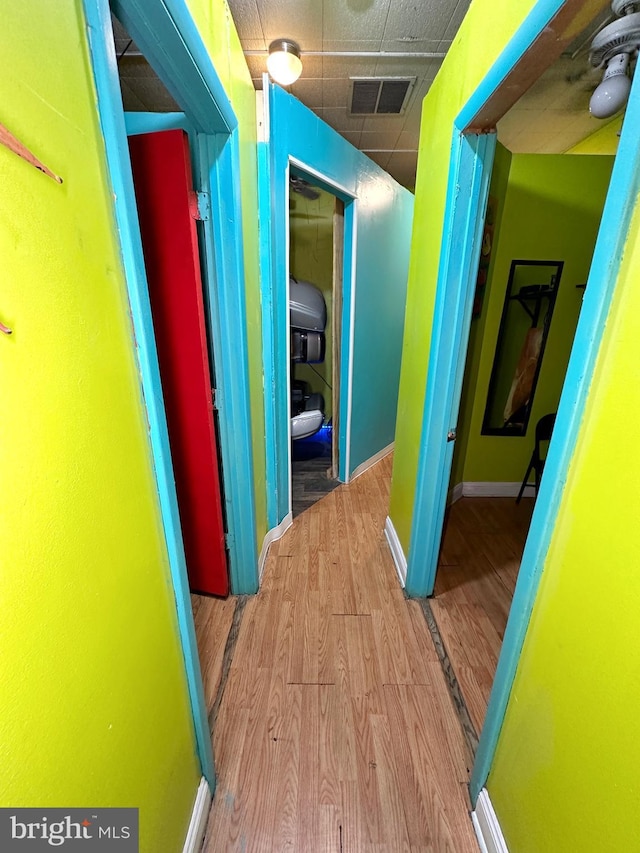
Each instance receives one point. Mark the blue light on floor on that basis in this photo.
(316, 445)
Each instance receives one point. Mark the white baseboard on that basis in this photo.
(487, 827)
(272, 536)
(364, 466)
(495, 490)
(455, 493)
(399, 559)
(199, 817)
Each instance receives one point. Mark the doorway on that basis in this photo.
(548, 27)
(542, 206)
(316, 238)
(181, 60)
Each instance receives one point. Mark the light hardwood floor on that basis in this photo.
(336, 731)
(479, 561)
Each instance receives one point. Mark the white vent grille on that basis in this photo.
(380, 95)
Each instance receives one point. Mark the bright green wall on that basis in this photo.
(311, 259)
(565, 776)
(552, 210)
(94, 707)
(604, 140)
(479, 41)
(220, 36)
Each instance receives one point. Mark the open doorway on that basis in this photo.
(162, 162)
(316, 239)
(544, 209)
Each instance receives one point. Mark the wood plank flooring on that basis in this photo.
(479, 561)
(336, 731)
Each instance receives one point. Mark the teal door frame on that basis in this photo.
(166, 33)
(470, 168)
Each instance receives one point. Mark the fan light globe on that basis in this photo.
(611, 95)
(284, 63)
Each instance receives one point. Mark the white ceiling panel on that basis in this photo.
(340, 119)
(378, 157)
(551, 116)
(247, 19)
(352, 137)
(410, 19)
(351, 19)
(457, 15)
(383, 123)
(335, 92)
(302, 23)
(372, 139)
(408, 139)
(309, 92)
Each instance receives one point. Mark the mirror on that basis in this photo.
(524, 327)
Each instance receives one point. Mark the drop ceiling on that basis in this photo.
(345, 39)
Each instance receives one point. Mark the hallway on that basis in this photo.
(335, 731)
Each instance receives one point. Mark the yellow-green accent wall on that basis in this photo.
(604, 139)
(94, 709)
(484, 32)
(552, 205)
(565, 776)
(219, 34)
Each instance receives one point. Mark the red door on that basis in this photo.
(162, 176)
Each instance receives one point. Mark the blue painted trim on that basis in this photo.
(265, 207)
(535, 22)
(469, 177)
(346, 345)
(224, 275)
(117, 153)
(137, 123)
(167, 35)
(616, 219)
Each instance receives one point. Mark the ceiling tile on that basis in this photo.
(335, 93)
(351, 45)
(257, 65)
(408, 139)
(130, 100)
(456, 18)
(376, 124)
(246, 18)
(419, 68)
(378, 157)
(411, 19)
(255, 44)
(309, 92)
(341, 67)
(378, 139)
(352, 136)
(300, 21)
(340, 119)
(349, 20)
(152, 93)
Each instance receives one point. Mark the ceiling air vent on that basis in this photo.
(380, 95)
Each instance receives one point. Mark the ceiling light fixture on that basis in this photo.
(284, 63)
(613, 48)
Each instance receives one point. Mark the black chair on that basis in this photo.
(544, 428)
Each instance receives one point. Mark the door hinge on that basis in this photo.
(204, 206)
(213, 400)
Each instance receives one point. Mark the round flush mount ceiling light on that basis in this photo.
(284, 63)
